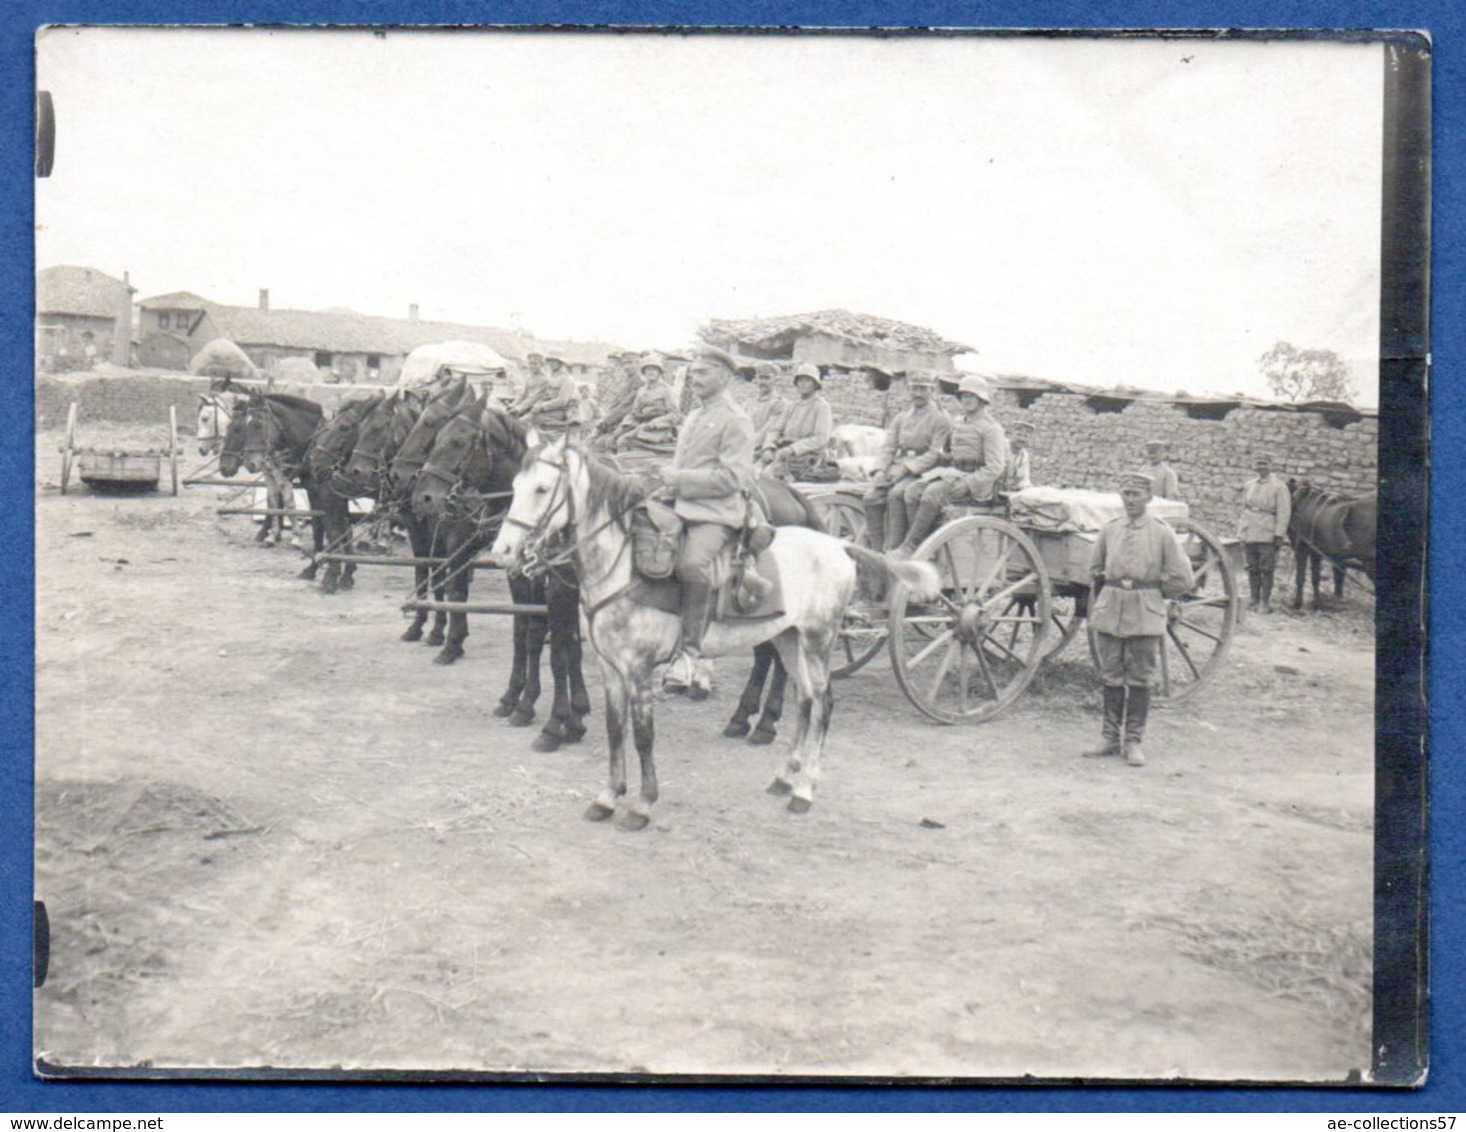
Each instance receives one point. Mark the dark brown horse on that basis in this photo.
(1336, 528)
(277, 431)
(463, 490)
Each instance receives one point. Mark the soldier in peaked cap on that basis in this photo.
(1267, 509)
(768, 408)
(1136, 566)
(1163, 479)
(1019, 476)
(975, 464)
(916, 442)
(800, 440)
(709, 477)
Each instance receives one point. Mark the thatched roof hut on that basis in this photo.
(222, 358)
(836, 337)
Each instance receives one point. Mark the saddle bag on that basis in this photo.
(656, 535)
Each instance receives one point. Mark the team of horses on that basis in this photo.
(1332, 528)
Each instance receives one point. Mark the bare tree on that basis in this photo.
(1306, 375)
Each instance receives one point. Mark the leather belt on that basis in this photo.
(1132, 584)
(966, 465)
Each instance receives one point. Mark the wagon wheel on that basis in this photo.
(173, 445)
(68, 451)
(1068, 607)
(1200, 624)
(863, 632)
(968, 655)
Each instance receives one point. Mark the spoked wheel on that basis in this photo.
(970, 653)
(1067, 611)
(863, 632)
(1199, 625)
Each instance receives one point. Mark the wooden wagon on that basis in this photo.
(1015, 593)
(118, 468)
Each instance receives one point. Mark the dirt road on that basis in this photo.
(270, 834)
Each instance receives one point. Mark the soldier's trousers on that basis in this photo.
(1128, 660)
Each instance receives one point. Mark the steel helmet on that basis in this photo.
(652, 361)
(809, 369)
(977, 386)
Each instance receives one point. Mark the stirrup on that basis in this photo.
(681, 672)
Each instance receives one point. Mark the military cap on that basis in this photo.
(921, 378)
(765, 369)
(717, 357)
(975, 385)
(1158, 444)
(1020, 426)
(809, 369)
(1137, 479)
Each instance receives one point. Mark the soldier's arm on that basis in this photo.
(1177, 578)
(936, 451)
(1284, 512)
(819, 440)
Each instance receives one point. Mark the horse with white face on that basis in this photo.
(562, 489)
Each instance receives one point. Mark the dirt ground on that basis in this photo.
(270, 834)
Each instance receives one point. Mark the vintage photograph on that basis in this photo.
(722, 556)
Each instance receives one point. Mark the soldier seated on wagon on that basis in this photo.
(797, 445)
(975, 467)
(651, 419)
(915, 443)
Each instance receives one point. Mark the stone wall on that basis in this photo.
(1076, 446)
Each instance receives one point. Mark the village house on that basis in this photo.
(343, 345)
(836, 339)
(83, 316)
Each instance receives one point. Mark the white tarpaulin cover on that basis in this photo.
(1065, 509)
(469, 358)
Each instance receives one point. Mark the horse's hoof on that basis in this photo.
(546, 742)
(449, 654)
(798, 805)
(737, 729)
(435, 638)
(573, 733)
(503, 710)
(779, 788)
(598, 811)
(633, 821)
(412, 634)
(347, 584)
(308, 574)
(328, 587)
(762, 737)
(520, 718)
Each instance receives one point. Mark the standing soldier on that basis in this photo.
(1162, 476)
(709, 476)
(1267, 507)
(1137, 564)
(1020, 467)
(799, 441)
(768, 407)
(978, 462)
(915, 443)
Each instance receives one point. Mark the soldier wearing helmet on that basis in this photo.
(768, 408)
(799, 441)
(977, 461)
(915, 443)
(651, 420)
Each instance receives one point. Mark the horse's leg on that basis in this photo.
(768, 723)
(575, 661)
(536, 629)
(1315, 563)
(520, 589)
(272, 492)
(1339, 583)
(748, 703)
(417, 540)
(563, 726)
(438, 549)
(337, 532)
(1300, 568)
(789, 776)
(456, 587)
(616, 711)
(643, 727)
(810, 672)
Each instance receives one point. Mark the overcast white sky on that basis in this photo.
(1156, 213)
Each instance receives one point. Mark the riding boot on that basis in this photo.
(697, 604)
(1254, 590)
(1137, 709)
(895, 525)
(921, 524)
(1265, 602)
(1114, 707)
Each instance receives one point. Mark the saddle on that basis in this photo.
(746, 576)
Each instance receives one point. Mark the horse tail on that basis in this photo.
(921, 578)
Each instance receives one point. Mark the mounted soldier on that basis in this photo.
(915, 443)
(708, 480)
(974, 470)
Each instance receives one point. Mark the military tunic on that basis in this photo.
(1266, 509)
(1163, 481)
(805, 428)
(1142, 564)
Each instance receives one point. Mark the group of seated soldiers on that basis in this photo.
(931, 459)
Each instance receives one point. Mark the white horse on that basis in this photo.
(560, 488)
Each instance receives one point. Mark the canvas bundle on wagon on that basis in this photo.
(117, 467)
